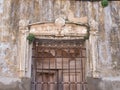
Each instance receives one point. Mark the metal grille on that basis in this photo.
(58, 65)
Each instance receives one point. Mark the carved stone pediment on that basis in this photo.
(58, 29)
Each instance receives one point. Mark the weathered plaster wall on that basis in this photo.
(105, 21)
(108, 27)
(7, 83)
(8, 38)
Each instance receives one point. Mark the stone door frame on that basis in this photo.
(25, 50)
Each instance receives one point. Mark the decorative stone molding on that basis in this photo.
(60, 22)
(23, 24)
(93, 45)
(23, 47)
(59, 28)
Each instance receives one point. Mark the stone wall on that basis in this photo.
(104, 42)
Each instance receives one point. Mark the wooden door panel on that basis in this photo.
(46, 81)
(72, 80)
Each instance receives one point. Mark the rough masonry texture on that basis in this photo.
(19, 17)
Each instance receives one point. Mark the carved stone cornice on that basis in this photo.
(59, 28)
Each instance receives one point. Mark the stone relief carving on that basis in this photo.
(60, 22)
(23, 24)
(59, 28)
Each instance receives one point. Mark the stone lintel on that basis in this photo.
(55, 30)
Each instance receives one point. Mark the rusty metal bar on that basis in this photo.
(62, 70)
(69, 68)
(82, 75)
(75, 74)
(49, 72)
(56, 79)
(36, 47)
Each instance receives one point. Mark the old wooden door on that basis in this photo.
(58, 65)
(44, 80)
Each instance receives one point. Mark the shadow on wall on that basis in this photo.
(23, 85)
(99, 84)
(93, 83)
